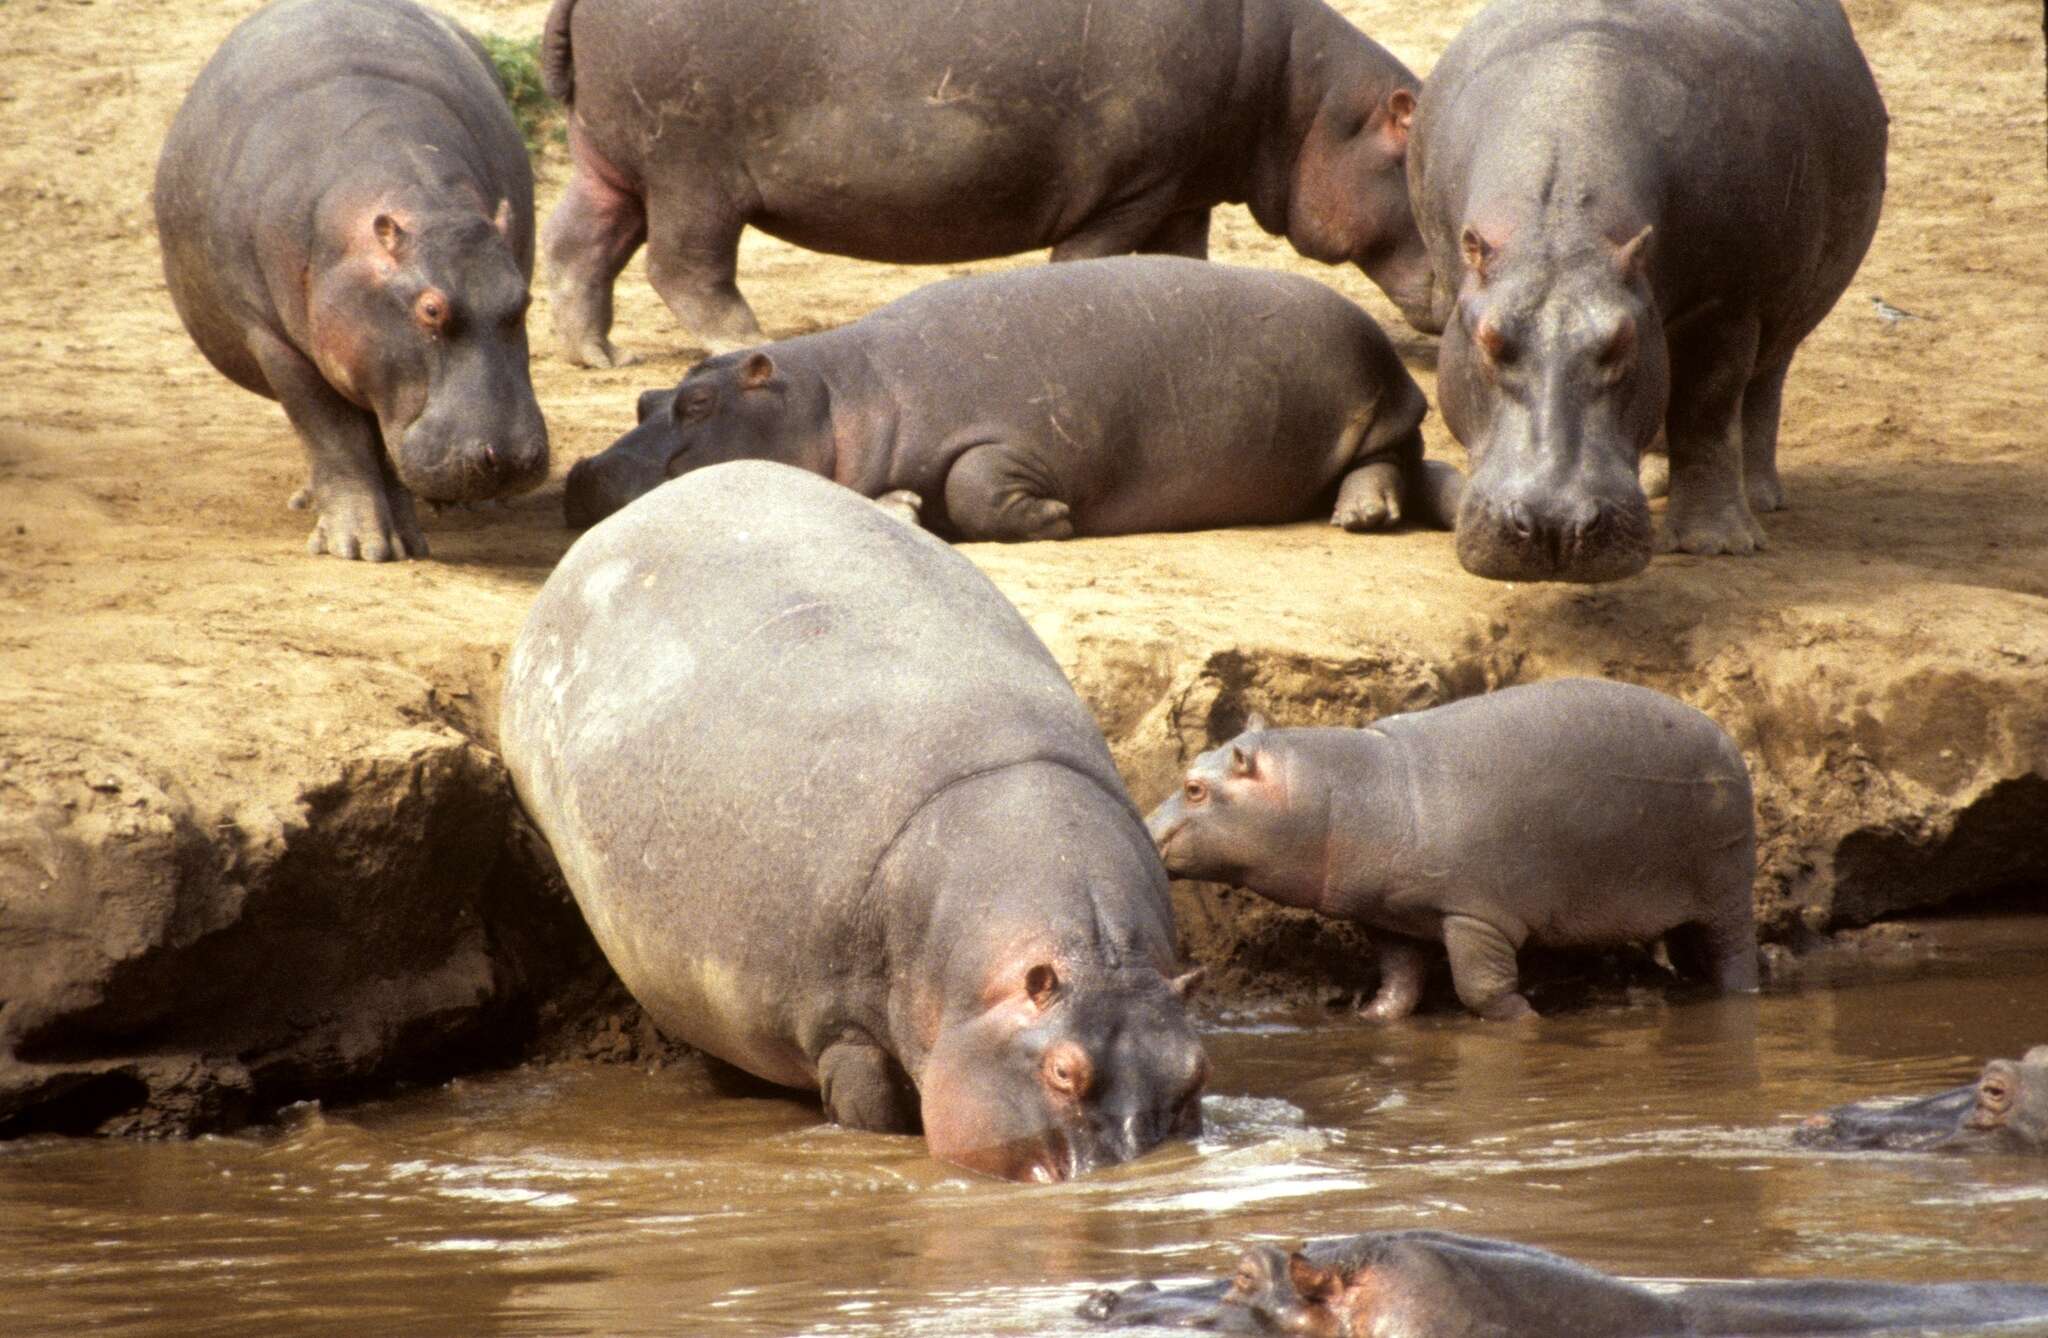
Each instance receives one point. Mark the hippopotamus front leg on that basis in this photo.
(1183, 234)
(1404, 963)
(1709, 512)
(1369, 498)
(994, 492)
(1762, 405)
(863, 1088)
(1483, 969)
(361, 509)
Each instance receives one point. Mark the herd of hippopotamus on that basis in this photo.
(831, 809)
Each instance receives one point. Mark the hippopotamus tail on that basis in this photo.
(557, 60)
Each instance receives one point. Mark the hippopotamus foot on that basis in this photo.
(993, 494)
(864, 1088)
(902, 504)
(1483, 969)
(1727, 529)
(375, 525)
(1403, 965)
(1765, 494)
(1369, 498)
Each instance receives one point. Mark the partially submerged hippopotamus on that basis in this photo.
(346, 214)
(2005, 1110)
(836, 816)
(1572, 813)
(1113, 396)
(934, 131)
(1387, 1283)
(1635, 213)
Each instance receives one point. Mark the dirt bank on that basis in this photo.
(253, 843)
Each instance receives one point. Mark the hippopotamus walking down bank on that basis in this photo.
(1449, 1286)
(935, 131)
(346, 214)
(1635, 212)
(1572, 813)
(2005, 1110)
(1111, 397)
(836, 816)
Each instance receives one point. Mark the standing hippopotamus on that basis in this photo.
(835, 816)
(346, 214)
(934, 131)
(1635, 212)
(1387, 1283)
(2005, 1110)
(1573, 813)
(1113, 396)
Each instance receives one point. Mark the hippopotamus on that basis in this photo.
(1434, 1282)
(936, 131)
(2005, 1110)
(346, 214)
(1634, 214)
(1114, 396)
(835, 816)
(1572, 813)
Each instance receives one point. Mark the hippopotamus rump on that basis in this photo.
(1438, 1283)
(836, 816)
(346, 214)
(1113, 396)
(1572, 813)
(935, 131)
(1635, 213)
(2005, 1110)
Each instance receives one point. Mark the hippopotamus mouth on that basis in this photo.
(1584, 540)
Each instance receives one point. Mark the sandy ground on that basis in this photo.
(1884, 663)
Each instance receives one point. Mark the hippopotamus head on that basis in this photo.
(1553, 373)
(423, 321)
(1271, 1291)
(2011, 1103)
(1232, 821)
(1064, 1072)
(737, 406)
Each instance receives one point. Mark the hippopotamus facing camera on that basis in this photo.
(935, 131)
(346, 213)
(1112, 397)
(1389, 1283)
(1572, 813)
(836, 816)
(1635, 213)
(2005, 1110)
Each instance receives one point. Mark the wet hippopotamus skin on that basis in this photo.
(2005, 1110)
(1395, 1284)
(836, 816)
(1572, 813)
(346, 215)
(936, 131)
(1635, 213)
(1113, 396)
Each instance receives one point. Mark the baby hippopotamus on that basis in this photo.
(1102, 397)
(835, 816)
(1572, 813)
(2005, 1110)
(1386, 1284)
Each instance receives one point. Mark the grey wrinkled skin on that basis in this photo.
(2005, 1110)
(1571, 813)
(1635, 213)
(936, 131)
(835, 816)
(1111, 397)
(346, 214)
(1406, 1284)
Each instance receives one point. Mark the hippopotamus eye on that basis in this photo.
(1196, 791)
(1994, 1093)
(1493, 345)
(431, 311)
(696, 404)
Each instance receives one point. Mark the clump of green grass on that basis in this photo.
(518, 67)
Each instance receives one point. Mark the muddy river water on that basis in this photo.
(1647, 1135)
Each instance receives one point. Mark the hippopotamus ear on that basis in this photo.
(1184, 984)
(1041, 985)
(1478, 251)
(2037, 1055)
(651, 401)
(1255, 722)
(757, 371)
(1630, 256)
(392, 236)
(1316, 1286)
(1400, 117)
(502, 220)
(1243, 761)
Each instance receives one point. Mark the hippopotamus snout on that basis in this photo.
(1553, 534)
(601, 484)
(444, 457)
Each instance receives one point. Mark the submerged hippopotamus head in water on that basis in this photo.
(1066, 1075)
(2005, 1110)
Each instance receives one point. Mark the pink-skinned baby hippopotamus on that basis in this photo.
(835, 816)
(936, 131)
(1569, 813)
(2005, 1110)
(1635, 213)
(346, 214)
(1109, 396)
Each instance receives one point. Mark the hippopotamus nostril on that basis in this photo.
(1520, 519)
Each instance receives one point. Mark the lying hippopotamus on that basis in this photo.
(346, 214)
(934, 131)
(1573, 813)
(2005, 1110)
(1390, 1283)
(835, 816)
(1635, 213)
(1113, 396)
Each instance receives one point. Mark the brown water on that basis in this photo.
(1650, 1138)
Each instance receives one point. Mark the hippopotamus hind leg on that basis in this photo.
(863, 1088)
(1484, 970)
(693, 256)
(991, 493)
(1403, 965)
(1369, 498)
(1709, 512)
(589, 238)
(1723, 952)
